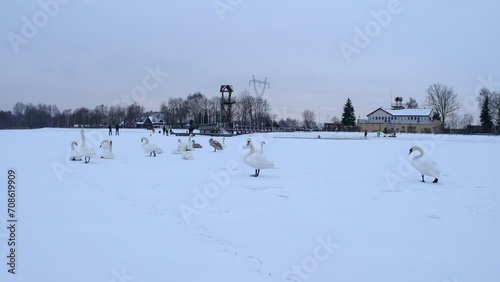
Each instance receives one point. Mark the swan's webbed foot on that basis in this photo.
(257, 171)
(154, 154)
(423, 179)
(435, 180)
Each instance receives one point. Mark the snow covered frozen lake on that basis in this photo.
(339, 208)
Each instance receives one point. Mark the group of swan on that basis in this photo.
(425, 165)
(255, 158)
(186, 148)
(88, 152)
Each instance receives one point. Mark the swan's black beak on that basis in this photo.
(411, 150)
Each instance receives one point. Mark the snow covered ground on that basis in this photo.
(339, 208)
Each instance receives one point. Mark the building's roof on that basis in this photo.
(405, 112)
(152, 119)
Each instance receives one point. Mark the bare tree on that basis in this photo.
(453, 121)
(133, 112)
(194, 106)
(443, 100)
(19, 109)
(308, 117)
(412, 104)
(467, 119)
(213, 109)
(68, 117)
(246, 103)
(18, 112)
(54, 114)
(81, 116)
(116, 114)
(98, 116)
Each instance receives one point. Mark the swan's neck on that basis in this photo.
(72, 146)
(421, 153)
(146, 141)
(83, 138)
(252, 150)
(262, 147)
(110, 147)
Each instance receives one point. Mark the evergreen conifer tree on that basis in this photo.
(485, 117)
(348, 116)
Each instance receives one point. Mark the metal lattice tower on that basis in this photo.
(259, 82)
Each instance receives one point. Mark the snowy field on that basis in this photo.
(339, 208)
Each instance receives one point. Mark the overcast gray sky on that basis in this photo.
(315, 54)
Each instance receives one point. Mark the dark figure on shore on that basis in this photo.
(110, 132)
(164, 129)
(117, 129)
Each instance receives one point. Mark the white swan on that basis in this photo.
(87, 152)
(107, 153)
(215, 144)
(190, 144)
(105, 145)
(179, 148)
(196, 145)
(256, 160)
(186, 154)
(150, 148)
(74, 155)
(425, 166)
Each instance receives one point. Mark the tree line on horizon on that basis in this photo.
(248, 110)
(194, 109)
